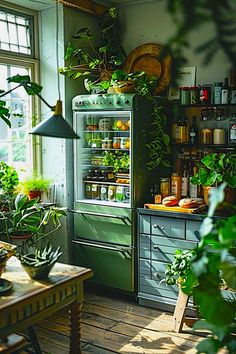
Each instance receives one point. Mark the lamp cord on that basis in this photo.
(57, 49)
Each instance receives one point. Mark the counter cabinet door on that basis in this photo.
(145, 246)
(168, 227)
(144, 224)
(192, 230)
(163, 249)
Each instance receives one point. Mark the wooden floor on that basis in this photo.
(112, 325)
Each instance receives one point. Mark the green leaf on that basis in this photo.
(20, 79)
(229, 274)
(209, 346)
(69, 51)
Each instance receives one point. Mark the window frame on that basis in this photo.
(31, 33)
(24, 60)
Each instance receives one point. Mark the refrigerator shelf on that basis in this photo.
(101, 149)
(104, 202)
(109, 183)
(106, 131)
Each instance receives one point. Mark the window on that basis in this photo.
(17, 147)
(15, 32)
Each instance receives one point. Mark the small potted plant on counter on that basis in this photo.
(213, 171)
(39, 263)
(34, 187)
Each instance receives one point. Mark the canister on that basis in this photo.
(219, 136)
(206, 135)
(176, 185)
(123, 142)
(165, 187)
(184, 95)
(217, 92)
(116, 142)
(106, 143)
(194, 94)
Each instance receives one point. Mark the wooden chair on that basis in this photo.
(179, 317)
(16, 343)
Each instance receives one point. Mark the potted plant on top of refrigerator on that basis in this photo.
(96, 64)
(213, 171)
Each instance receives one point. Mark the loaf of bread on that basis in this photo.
(170, 201)
(191, 203)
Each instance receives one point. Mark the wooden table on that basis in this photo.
(31, 300)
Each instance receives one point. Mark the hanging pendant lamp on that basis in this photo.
(55, 126)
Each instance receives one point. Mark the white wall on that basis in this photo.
(151, 22)
(57, 154)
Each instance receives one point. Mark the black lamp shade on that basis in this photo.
(55, 126)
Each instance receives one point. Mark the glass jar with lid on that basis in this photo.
(106, 143)
(165, 187)
(206, 136)
(116, 142)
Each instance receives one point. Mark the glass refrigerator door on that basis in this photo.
(103, 155)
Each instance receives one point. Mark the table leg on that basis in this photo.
(75, 330)
(34, 340)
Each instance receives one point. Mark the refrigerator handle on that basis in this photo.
(126, 251)
(125, 219)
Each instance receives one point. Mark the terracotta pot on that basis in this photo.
(230, 195)
(35, 195)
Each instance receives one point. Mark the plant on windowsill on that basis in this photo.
(213, 171)
(34, 187)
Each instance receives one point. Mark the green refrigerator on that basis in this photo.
(111, 180)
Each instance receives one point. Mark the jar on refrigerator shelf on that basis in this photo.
(124, 142)
(116, 142)
(120, 193)
(111, 193)
(88, 190)
(104, 124)
(104, 192)
(96, 191)
(106, 143)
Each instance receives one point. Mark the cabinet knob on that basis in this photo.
(155, 247)
(155, 275)
(155, 226)
(162, 228)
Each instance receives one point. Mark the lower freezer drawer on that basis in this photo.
(112, 264)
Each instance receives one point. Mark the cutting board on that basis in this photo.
(175, 208)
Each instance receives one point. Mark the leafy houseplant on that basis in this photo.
(214, 170)
(34, 187)
(215, 259)
(28, 219)
(94, 63)
(176, 272)
(8, 182)
(39, 264)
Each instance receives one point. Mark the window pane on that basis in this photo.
(3, 152)
(15, 143)
(15, 33)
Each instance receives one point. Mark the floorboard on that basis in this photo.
(116, 325)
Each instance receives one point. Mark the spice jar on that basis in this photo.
(176, 185)
(206, 136)
(116, 142)
(165, 187)
(219, 136)
(123, 142)
(184, 95)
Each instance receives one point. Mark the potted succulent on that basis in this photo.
(213, 171)
(34, 187)
(39, 263)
